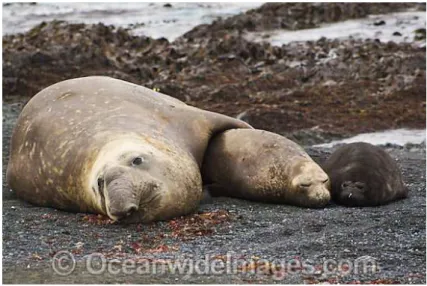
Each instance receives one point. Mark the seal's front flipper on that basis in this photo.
(206, 197)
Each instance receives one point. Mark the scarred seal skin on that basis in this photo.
(264, 166)
(106, 146)
(364, 175)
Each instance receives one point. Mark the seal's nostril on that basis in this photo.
(360, 186)
(125, 211)
(131, 209)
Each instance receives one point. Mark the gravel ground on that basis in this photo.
(250, 233)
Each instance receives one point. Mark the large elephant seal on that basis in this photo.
(263, 166)
(103, 145)
(364, 175)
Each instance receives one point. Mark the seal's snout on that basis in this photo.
(353, 186)
(124, 212)
(316, 196)
(352, 193)
(122, 199)
(351, 198)
(320, 196)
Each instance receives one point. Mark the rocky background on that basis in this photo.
(312, 92)
(341, 87)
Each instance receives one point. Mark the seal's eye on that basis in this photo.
(325, 181)
(305, 185)
(137, 161)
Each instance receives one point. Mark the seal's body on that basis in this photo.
(263, 166)
(364, 175)
(102, 145)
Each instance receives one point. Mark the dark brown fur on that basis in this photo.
(364, 175)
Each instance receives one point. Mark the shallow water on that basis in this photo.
(398, 137)
(149, 19)
(404, 23)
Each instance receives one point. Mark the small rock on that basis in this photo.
(397, 34)
(79, 244)
(167, 5)
(379, 23)
(330, 83)
(420, 34)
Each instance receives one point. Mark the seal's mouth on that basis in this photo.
(100, 184)
(116, 208)
(101, 187)
(147, 205)
(126, 200)
(352, 197)
(124, 214)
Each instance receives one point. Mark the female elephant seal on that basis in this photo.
(263, 166)
(364, 175)
(103, 145)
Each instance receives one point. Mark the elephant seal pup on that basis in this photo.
(102, 145)
(364, 175)
(263, 166)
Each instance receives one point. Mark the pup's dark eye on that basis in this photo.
(360, 186)
(325, 181)
(137, 161)
(306, 185)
